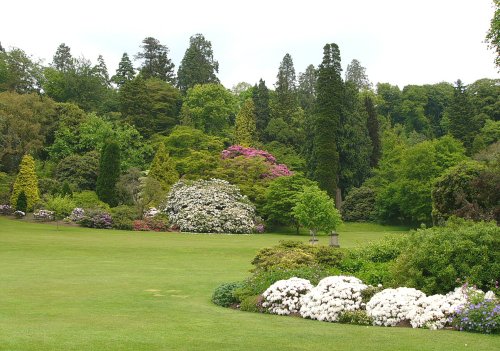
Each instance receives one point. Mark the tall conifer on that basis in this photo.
(26, 181)
(109, 172)
(325, 157)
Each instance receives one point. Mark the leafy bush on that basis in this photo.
(224, 294)
(89, 199)
(123, 217)
(96, 218)
(359, 317)
(62, 206)
(372, 262)
(251, 304)
(295, 254)
(434, 258)
(209, 206)
(151, 224)
(359, 205)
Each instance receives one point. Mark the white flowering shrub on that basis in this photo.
(435, 311)
(209, 206)
(392, 306)
(283, 297)
(44, 215)
(333, 296)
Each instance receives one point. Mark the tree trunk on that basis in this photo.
(338, 198)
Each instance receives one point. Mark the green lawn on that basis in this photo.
(81, 289)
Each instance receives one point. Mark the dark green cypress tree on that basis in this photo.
(109, 172)
(373, 131)
(260, 97)
(324, 158)
(22, 202)
(198, 65)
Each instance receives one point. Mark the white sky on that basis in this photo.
(398, 41)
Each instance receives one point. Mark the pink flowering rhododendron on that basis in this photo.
(275, 169)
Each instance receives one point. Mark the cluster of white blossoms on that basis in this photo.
(434, 311)
(333, 296)
(392, 306)
(209, 206)
(389, 307)
(283, 297)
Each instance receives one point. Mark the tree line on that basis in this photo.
(336, 129)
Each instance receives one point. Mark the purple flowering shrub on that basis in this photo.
(275, 169)
(480, 317)
(97, 219)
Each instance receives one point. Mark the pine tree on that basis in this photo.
(156, 62)
(109, 172)
(373, 131)
(27, 182)
(63, 60)
(356, 74)
(125, 71)
(462, 124)
(286, 91)
(245, 124)
(102, 70)
(260, 97)
(324, 159)
(198, 65)
(163, 168)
